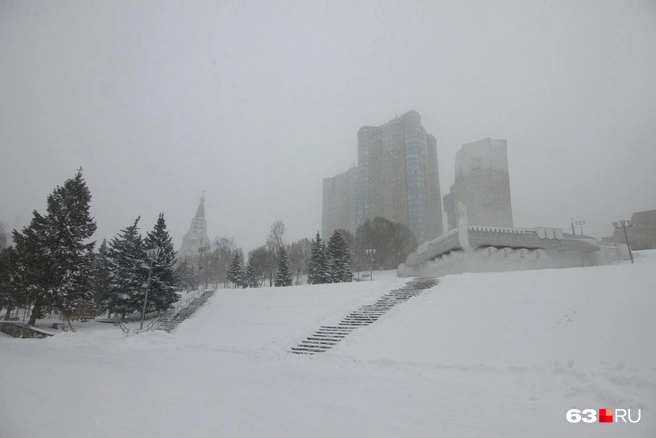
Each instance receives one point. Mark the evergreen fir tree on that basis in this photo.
(236, 272)
(284, 274)
(162, 280)
(251, 275)
(324, 263)
(340, 258)
(318, 271)
(4, 279)
(12, 296)
(54, 256)
(32, 267)
(101, 277)
(314, 269)
(128, 270)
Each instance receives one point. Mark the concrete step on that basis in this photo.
(334, 328)
(323, 340)
(314, 345)
(302, 350)
(328, 336)
(318, 344)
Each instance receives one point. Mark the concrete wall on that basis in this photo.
(496, 249)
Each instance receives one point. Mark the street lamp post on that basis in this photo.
(371, 252)
(623, 225)
(152, 255)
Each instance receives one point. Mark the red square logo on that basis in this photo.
(605, 415)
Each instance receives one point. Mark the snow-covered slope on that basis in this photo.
(479, 355)
(275, 319)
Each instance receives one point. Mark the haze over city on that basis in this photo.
(357, 219)
(256, 103)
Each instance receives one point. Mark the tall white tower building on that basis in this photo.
(196, 237)
(483, 183)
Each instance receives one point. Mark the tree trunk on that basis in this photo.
(36, 310)
(9, 309)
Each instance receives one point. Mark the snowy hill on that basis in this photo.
(478, 355)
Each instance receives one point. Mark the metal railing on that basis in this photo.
(123, 327)
(187, 300)
(152, 325)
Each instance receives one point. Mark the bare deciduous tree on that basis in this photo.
(276, 239)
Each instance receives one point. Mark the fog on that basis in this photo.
(256, 102)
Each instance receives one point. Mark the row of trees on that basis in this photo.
(320, 261)
(52, 265)
(241, 275)
(213, 264)
(124, 270)
(330, 263)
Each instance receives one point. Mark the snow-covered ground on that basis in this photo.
(478, 355)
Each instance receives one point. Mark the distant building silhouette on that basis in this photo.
(482, 183)
(642, 235)
(397, 178)
(339, 203)
(450, 209)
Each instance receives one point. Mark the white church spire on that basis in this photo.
(196, 237)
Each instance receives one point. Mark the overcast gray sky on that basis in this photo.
(257, 101)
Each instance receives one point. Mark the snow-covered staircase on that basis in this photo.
(328, 336)
(170, 323)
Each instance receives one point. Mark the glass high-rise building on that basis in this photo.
(397, 179)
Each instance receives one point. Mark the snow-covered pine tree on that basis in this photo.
(32, 268)
(162, 280)
(101, 277)
(55, 255)
(324, 272)
(12, 293)
(283, 274)
(314, 269)
(318, 270)
(251, 275)
(6, 272)
(128, 270)
(339, 258)
(236, 272)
